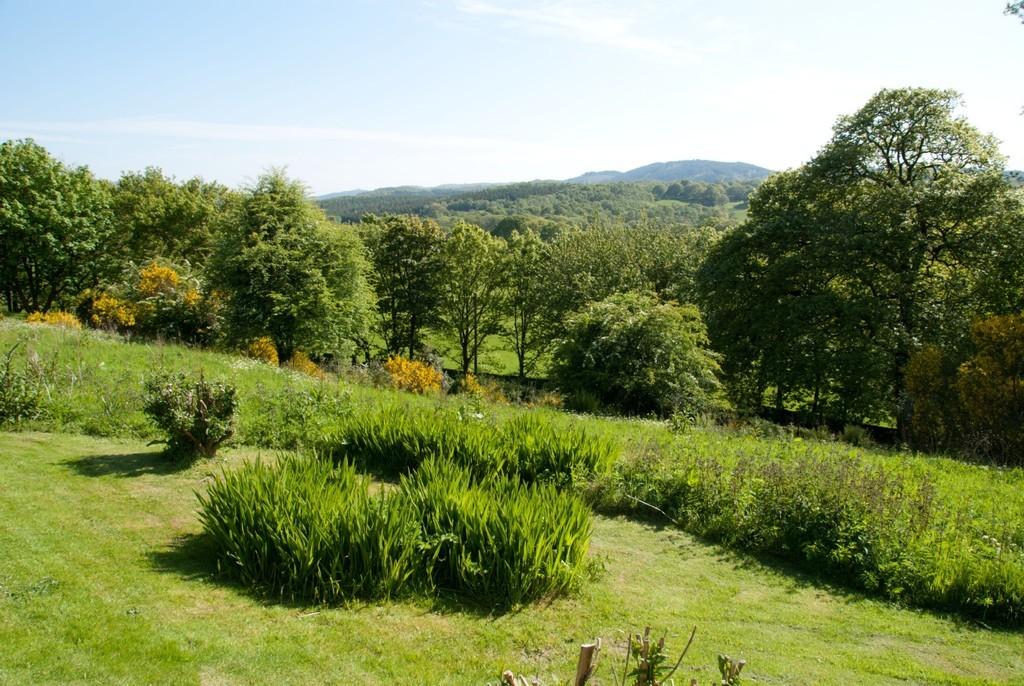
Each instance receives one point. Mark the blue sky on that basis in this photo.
(363, 94)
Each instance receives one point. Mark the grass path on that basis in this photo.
(102, 580)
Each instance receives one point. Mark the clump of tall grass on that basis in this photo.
(875, 528)
(396, 439)
(308, 529)
(305, 529)
(497, 538)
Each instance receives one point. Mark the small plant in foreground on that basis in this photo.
(647, 663)
(197, 415)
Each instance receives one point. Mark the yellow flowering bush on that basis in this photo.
(55, 318)
(488, 389)
(264, 350)
(157, 279)
(301, 363)
(111, 312)
(413, 376)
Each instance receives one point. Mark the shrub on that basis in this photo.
(169, 301)
(109, 312)
(197, 415)
(639, 355)
(306, 529)
(413, 376)
(295, 416)
(301, 363)
(59, 318)
(264, 350)
(21, 392)
(976, 406)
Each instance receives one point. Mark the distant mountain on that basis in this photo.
(708, 171)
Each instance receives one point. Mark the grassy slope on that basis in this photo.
(107, 586)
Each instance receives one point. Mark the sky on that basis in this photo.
(364, 94)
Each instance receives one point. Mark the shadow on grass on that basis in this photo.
(192, 557)
(126, 465)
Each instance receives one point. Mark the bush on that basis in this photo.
(197, 415)
(976, 406)
(413, 376)
(111, 313)
(264, 350)
(169, 302)
(307, 529)
(65, 320)
(21, 392)
(639, 355)
(301, 363)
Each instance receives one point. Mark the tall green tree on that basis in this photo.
(159, 217)
(470, 290)
(875, 247)
(56, 228)
(407, 254)
(525, 299)
(289, 273)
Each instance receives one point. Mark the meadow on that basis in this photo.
(111, 551)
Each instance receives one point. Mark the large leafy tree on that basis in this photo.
(289, 273)
(55, 228)
(159, 217)
(470, 291)
(875, 247)
(407, 253)
(525, 299)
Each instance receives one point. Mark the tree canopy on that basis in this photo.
(877, 246)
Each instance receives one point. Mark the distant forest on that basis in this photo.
(546, 205)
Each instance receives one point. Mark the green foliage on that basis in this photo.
(525, 299)
(407, 254)
(290, 274)
(880, 529)
(397, 439)
(880, 244)
(294, 416)
(639, 355)
(304, 529)
(21, 392)
(197, 415)
(973, 405)
(498, 537)
(158, 217)
(56, 228)
(308, 529)
(470, 305)
(546, 205)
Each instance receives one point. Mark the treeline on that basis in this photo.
(549, 204)
(881, 281)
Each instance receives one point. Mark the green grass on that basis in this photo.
(103, 582)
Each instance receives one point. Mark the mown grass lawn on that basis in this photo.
(103, 580)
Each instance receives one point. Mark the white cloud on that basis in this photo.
(189, 129)
(595, 23)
